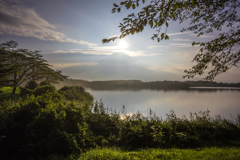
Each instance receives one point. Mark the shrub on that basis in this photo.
(35, 129)
(103, 124)
(43, 83)
(76, 93)
(53, 96)
(25, 91)
(44, 89)
(31, 85)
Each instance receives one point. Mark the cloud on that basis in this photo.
(106, 50)
(185, 40)
(156, 47)
(116, 35)
(64, 65)
(187, 55)
(203, 36)
(140, 53)
(181, 44)
(175, 70)
(178, 33)
(22, 21)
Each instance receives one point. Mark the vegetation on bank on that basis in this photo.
(66, 123)
(139, 85)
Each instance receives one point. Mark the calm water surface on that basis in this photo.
(224, 102)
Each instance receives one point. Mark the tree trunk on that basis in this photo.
(14, 89)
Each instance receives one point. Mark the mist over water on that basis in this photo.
(219, 102)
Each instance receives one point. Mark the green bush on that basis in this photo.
(32, 128)
(44, 89)
(76, 93)
(31, 85)
(43, 83)
(103, 124)
(25, 91)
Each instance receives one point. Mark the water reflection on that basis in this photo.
(218, 101)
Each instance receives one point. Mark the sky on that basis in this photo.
(69, 32)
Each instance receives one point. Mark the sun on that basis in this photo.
(122, 44)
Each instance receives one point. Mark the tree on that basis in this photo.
(4, 71)
(22, 65)
(206, 16)
(52, 76)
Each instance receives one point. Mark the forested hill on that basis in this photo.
(139, 85)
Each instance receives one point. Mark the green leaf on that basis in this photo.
(122, 3)
(147, 13)
(162, 36)
(133, 6)
(132, 32)
(166, 37)
(150, 23)
(115, 5)
(167, 24)
(119, 9)
(175, 7)
(128, 5)
(104, 41)
(113, 10)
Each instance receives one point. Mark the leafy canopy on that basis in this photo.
(206, 16)
(21, 65)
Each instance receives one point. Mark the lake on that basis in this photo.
(219, 101)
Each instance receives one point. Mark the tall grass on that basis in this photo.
(136, 131)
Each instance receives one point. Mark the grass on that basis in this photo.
(213, 153)
(6, 94)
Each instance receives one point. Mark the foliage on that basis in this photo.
(44, 83)
(52, 76)
(139, 131)
(22, 65)
(45, 124)
(75, 93)
(31, 85)
(103, 124)
(25, 91)
(4, 72)
(204, 16)
(39, 127)
(37, 91)
(44, 89)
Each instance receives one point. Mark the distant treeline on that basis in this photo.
(139, 85)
